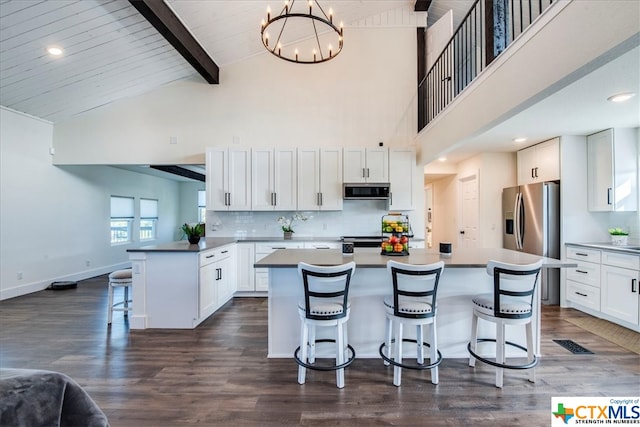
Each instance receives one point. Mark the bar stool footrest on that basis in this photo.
(334, 367)
(403, 365)
(502, 365)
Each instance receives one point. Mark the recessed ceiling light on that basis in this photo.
(519, 139)
(55, 50)
(442, 159)
(621, 97)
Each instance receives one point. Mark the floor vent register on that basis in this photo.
(573, 347)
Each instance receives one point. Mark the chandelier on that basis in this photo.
(304, 34)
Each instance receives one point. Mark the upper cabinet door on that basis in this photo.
(274, 176)
(366, 164)
(228, 181)
(612, 168)
(402, 164)
(320, 179)
(354, 164)
(331, 179)
(539, 163)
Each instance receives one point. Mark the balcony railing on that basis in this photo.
(485, 32)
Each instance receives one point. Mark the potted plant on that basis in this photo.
(193, 232)
(618, 236)
(287, 223)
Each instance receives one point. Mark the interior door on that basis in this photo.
(469, 212)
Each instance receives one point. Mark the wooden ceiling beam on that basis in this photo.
(422, 5)
(167, 23)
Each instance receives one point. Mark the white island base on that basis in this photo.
(366, 325)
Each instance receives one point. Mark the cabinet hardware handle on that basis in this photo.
(390, 198)
(581, 254)
(532, 175)
(221, 274)
(633, 285)
(367, 172)
(276, 247)
(582, 271)
(229, 199)
(321, 201)
(581, 294)
(224, 252)
(209, 256)
(536, 169)
(364, 175)
(609, 195)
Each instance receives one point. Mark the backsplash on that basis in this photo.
(358, 218)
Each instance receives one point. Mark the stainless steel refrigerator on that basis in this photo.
(531, 224)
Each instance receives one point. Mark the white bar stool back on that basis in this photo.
(511, 303)
(413, 303)
(326, 292)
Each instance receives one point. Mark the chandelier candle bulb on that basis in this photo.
(331, 15)
(296, 52)
(310, 5)
(286, 6)
(268, 13)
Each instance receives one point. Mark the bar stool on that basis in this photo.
(326, 291)
(511, 303)
(120, 279)
(413, 303)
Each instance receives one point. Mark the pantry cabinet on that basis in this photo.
(320, 179)
(228, 180)
(366, 164)
(274, 178)
(539, 163)
(402, 166)
(612, 171)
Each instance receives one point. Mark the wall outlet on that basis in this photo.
(19, 275)
(324, 226)
(87, 263)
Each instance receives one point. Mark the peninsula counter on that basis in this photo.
(464, 276)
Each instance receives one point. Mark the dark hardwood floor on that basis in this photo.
(218, 374)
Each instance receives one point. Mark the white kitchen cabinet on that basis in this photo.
(217, 281)
(402, 166)
(320, 179)
(583, 281)
(612, 166)
(245, 257)
(274, 178)
(620, 295)
(228, 180)
(262, 250)
(365, 164)
(539, 163)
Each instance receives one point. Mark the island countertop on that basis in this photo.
(185, 246)
(372, 258)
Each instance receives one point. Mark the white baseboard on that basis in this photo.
(43, 284)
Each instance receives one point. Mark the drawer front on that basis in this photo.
(322, 245)
(585, 295)
(224, 252)
(618, 259)
(207, 257)
(583, 254)
(586, 273)
(268, 247)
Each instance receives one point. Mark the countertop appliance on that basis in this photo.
(531, 224)
(364, 241)
(366, 191)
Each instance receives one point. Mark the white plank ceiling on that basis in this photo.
(112, 52)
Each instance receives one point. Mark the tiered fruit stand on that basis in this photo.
(395, 235)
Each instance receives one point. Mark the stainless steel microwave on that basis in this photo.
(366, 191)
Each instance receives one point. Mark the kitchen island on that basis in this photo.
(464, 276)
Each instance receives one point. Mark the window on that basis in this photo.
(202, 206)
(121, 219)
(148, 219)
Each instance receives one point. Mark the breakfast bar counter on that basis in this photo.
(464, 276)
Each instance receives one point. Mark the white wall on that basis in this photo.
(55, 219)
(365, 95)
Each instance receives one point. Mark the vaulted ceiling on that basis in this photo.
(112, 52)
